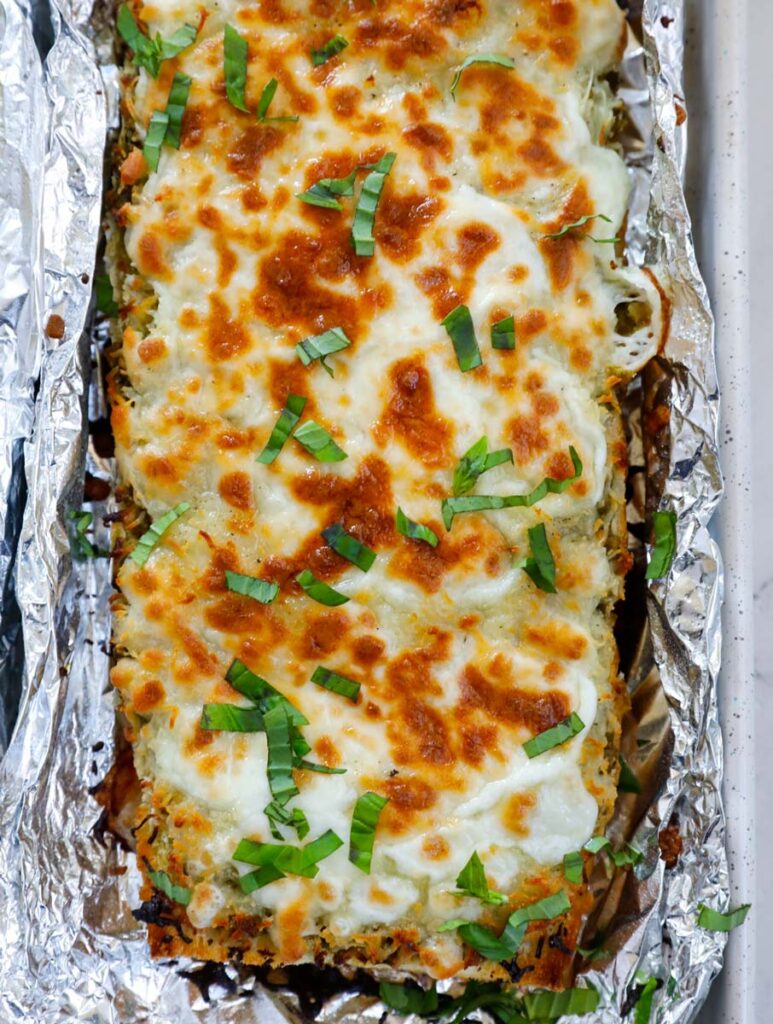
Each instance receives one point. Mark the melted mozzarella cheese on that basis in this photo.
(461, 658)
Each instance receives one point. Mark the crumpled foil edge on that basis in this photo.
(70, 948)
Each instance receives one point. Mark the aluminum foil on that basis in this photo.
(69, 946)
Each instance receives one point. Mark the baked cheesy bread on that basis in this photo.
(373, 311)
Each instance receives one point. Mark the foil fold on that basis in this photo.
(69, 946)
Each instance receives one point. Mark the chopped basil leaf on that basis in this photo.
(627, 783)
(472, 882)
(151, 537)
(154, 138)
(336, 683)
(540, 566)
(505, 946)
(476, 461)
(235, 50)
(620, 858)
(643, 1005)
(288, 417)
(311, 766)
(275, 861)
(461, 331)
(321, 345)
(280, 755)
(408, 998)
(260, 590)
(664, 548)
(546, 1005)
(150, 53)
(319, 591)
(363, 831)
(176, 893)
(365, 211)
(103, 290)
(323, 192)
(573, 867)
(175, 108)
(415, 531)
(349, 547)
(483, 58)
(318, 442)
(452, 507)
(269, 90)
(81, 547)
(554, 737)
(231, 718)
(592, 952)
(261, 693)
(716, 921)
(278, 814)
(577, 224)
(503, 334)
(330, 49)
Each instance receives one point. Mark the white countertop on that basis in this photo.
(761, 295)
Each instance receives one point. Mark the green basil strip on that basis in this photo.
(154, 138)
(363, 831)
(336, 683)
(175, 108)
(151, 537)
(231, 718)
(260, 590)
(330, 49)
(461, 331)
(483, 58)
(103, 290)
(287, 860)
(81, 547)
(505, 1006)
(349, 547)
(408, 998)
(235, 50)
(452, 507)
(365, 211)
(472, 882)
(150, 53)
(323, 192)
(283, 428)
(620, 858)
(664, 548)
(269, 91)
(577, 224)
(476, 461)
(311, 766)
(627, 783)
(554, 737)
(257, 879)
(503, 334)
(318, 442)
(261, 693)
(716, 921)
(415, 531)
(321, 345)
(546, 1005)
(278, 814)
(176, 893)
(280, 755)
(505, 946)
(573, 867)
(319, 591)
(643, 1006)
(540, 565)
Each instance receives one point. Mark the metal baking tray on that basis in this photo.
(716, 178)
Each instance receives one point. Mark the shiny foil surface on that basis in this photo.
(70, 948)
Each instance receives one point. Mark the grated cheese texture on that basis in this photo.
(460, 656)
